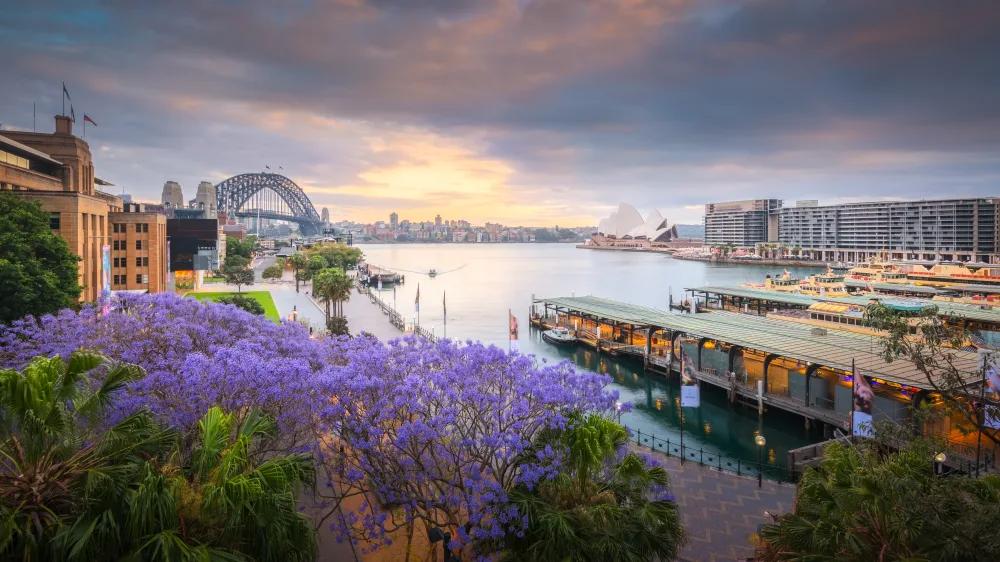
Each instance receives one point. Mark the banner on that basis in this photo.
(106, 279)
(690, 389)
(991, 409)
(861, 414)
(512, 330)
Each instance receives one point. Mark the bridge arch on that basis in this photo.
(233, 194)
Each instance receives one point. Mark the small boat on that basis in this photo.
(432, 273)
(559, 336)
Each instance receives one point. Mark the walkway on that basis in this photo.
(721, 511)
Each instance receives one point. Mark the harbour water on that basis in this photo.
(480, 282)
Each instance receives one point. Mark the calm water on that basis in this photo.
(483, 281)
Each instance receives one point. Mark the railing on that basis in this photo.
(711, 458)
(424, 333)
(395, 318)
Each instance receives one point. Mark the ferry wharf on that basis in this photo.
(765, 361)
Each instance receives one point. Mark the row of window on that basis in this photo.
(123, 244)
(14, 160)
(123, 262)
(122, 279)
(120, 228)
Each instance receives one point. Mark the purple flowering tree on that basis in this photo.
(411, 434)
(429, 435)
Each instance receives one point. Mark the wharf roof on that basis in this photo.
(964, 311)
(907, 287)
(794, 340)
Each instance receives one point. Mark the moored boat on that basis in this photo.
(559, 336)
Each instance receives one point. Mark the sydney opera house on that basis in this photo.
(626, 229)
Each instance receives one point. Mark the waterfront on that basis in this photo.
(484, 280)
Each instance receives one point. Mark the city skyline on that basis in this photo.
(550, 114)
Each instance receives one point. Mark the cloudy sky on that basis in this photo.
(528, 112)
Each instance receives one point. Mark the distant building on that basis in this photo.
(196, 246)
(741, 223)
(946, 229)
(325, 215)
(437, 220)
(205, 200)
(625, 228)
(394, 220)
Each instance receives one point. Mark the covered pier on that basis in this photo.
(799, 368)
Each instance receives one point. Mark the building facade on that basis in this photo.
(964, 230)
(741, 223)
(138, 250)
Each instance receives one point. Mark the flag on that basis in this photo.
(72, 114)
(66, 92)
(690, 390)
(87, 119)
(513, 324)
(861, 413)
(416, 302)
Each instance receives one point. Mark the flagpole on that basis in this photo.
(683, 355)
(34, 117)
(444, 306)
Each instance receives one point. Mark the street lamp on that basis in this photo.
(939, 460)
(618, 411)
(760, 441)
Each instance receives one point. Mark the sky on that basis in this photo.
(524, 112)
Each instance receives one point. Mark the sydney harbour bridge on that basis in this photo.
(267, 196)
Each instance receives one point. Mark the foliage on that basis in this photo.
(335, 254)
(410, 421)
(263, 298)
(337, 326)
(332, 285)
(243, 248)
(38, 273)
(604, 504)
(248, 304)
(235, 261)
(273, 272)
(933, 354)
(73, 489)
(870, 502)
(298, 263)
(239, 277)
(398, 424)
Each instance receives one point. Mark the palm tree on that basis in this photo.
(298, 262)
(602, 509)
(72, 488)
(332, 286)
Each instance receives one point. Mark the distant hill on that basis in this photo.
(691, 230)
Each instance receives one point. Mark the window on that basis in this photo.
(54, 221)
(138, 244)
(138, 262)
(141, 227)
(115, 245)
(141, 262)
(145, 262)
(138, 278)
(117, 228)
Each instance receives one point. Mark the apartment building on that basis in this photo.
(963, 230)
(741, 223)
(138, 250)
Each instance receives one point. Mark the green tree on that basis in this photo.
(873, 502)
(248, 304)
(337, 326)
(298, 262)
(332, 286)
(73, 487)
(336, 255)
(598, 508)
(273, 272)
(243, 248)
(239, 277)
(236, 261)
(38, 273)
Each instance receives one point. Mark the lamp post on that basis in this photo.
(939, 460)
(618, 411)
(760, 441)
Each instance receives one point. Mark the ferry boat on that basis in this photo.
(559, 336)
(944, 274)
(827, 284)
(432, 273)
(784, 283)
(878, 272)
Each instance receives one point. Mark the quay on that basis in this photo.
(375, 275)
(769, 362)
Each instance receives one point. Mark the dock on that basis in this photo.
(372, 275)
(767, 361)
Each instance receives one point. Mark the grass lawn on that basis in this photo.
(263, 297)
(214, 279)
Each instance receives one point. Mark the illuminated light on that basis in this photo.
(707, 428)
(709, 344)
(659, 404)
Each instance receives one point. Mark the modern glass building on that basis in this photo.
(741, 223)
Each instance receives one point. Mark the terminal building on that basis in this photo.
(741, 223)
(57, 171)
